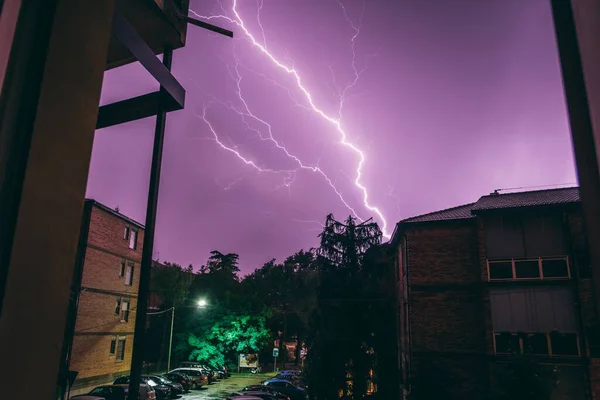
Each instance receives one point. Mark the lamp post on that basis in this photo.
(201, 304)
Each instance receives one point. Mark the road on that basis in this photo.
(223, 388)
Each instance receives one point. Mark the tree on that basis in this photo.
(229, 336)
(171, 283)
(340, 356)
(223, 264)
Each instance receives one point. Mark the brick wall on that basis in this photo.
(101, 271)
(446, 318)
(91, 358)
(443, 254)
(580, 263)
(446, 321)
(106, 231)
(101, 286)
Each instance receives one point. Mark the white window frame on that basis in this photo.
(540, 261)
(130, 266)
(133, 238)
(125, 309)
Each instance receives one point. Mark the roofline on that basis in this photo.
(528, 207)
(114, 212)
(402, 226)
(408, 220)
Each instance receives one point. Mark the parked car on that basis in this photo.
(266, 389)
(199, 378)
(117, 392)
(176, 388)
(291, 372)
(162, 391)
(260, 395)
(287, 388)
(87, 397)
(225, 370)
(181, 378)
(217, 373)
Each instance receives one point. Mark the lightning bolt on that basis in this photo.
(233, 150)
(335, 122)
(244, 113)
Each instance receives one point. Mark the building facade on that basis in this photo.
(493, 285)
(110, 255)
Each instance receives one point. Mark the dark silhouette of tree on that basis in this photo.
(171, 283)
(341, 339)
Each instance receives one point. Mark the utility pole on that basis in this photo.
(137, 358)
(171, 339)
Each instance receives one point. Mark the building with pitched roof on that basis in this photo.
(488, 283)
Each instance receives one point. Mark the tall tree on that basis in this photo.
(340, 345)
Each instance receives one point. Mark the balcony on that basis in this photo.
(156, 21)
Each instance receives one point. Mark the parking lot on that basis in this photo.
(223, 388)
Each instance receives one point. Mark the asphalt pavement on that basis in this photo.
(223, 388)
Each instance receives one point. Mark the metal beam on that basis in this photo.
(144, 54)
(139, 344)
(582, 129)
(135, 108)
(208, 26)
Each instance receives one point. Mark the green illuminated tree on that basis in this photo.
(229, 336)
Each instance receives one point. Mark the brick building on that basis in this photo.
(487, 285)
(109, 259)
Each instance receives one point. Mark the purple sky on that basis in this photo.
(454, 99)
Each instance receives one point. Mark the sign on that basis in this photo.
(248, 361)
(275, 352)
(303, 354)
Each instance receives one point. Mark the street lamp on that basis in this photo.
(201, 304)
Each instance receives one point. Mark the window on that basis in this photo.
(536, 343)
(118, 306)
(557, 268)
(533, 268)
(506, 343)
(121, 349)
(129, 274)
(527, 269)
(500, 270)
(133, 239)
(564, 344)
(122, 269)
(125, 310)
(113, 345)
(552, 344)
(126, 233)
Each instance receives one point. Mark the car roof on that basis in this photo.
(246, 397)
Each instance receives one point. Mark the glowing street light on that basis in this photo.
(202, 303)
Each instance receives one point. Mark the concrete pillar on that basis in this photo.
(48, 108)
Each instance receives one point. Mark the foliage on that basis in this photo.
(349, 330)
(171, 283)
(329, 297)
(230, 336)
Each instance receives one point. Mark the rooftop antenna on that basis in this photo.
(117, 208)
